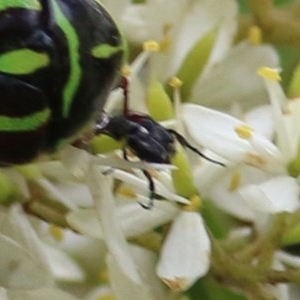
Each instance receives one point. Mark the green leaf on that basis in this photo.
(195, 62)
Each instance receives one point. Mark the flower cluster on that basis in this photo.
(75, 226)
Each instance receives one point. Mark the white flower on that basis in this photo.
(154, 19)
(223, 134)
(218, 69)
(124, 288)
(99, 197)
(23, 262)
(25, 272)
(129, 214)
(239, 143)
(185, 255)
(233, 80)
(278, 194)
(63, 267)
(48, 293)
(116, 218)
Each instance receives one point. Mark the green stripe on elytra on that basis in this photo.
(28, 4)
(23, 61)
(75, 70)
(105, 50)
(28, 123)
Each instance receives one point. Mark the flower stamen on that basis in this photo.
(244, 131)
(269, 73)
(175, 82)
(194, 205)
(148, 48)
(151, 46)
(255, 35)
(126, 71)
(57, 232)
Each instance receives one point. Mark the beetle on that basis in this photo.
(146, 138)
(58, 61)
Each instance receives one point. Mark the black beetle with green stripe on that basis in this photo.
(58, 61)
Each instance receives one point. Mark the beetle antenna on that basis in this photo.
(181, 139)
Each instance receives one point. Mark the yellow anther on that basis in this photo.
(126, 192)
(57, 232)
(175, 82)
(235, 181)
(104, 276)
(151, 45)
(244, 132)
(126, 71)
(194, 205)
(269, 73)
(255, 35)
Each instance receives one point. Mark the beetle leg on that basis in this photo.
(152, 195)
(181, 139)
(125, 153)
(151, 185)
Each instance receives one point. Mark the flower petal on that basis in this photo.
(134, 220)
(137, 21)
(45, 294)
(261, 119)
(124, 288)
(235, 80)
(100, 292)
(116, 7)
(217, 132)
(76, 161)
(86, 222)
(185, 254)
(142, 186)
(279, 194)
(222, 192)
(22, 260)
(203, 17)
(101, 190)
(292, 125)
(279, 101)
(63, 267)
